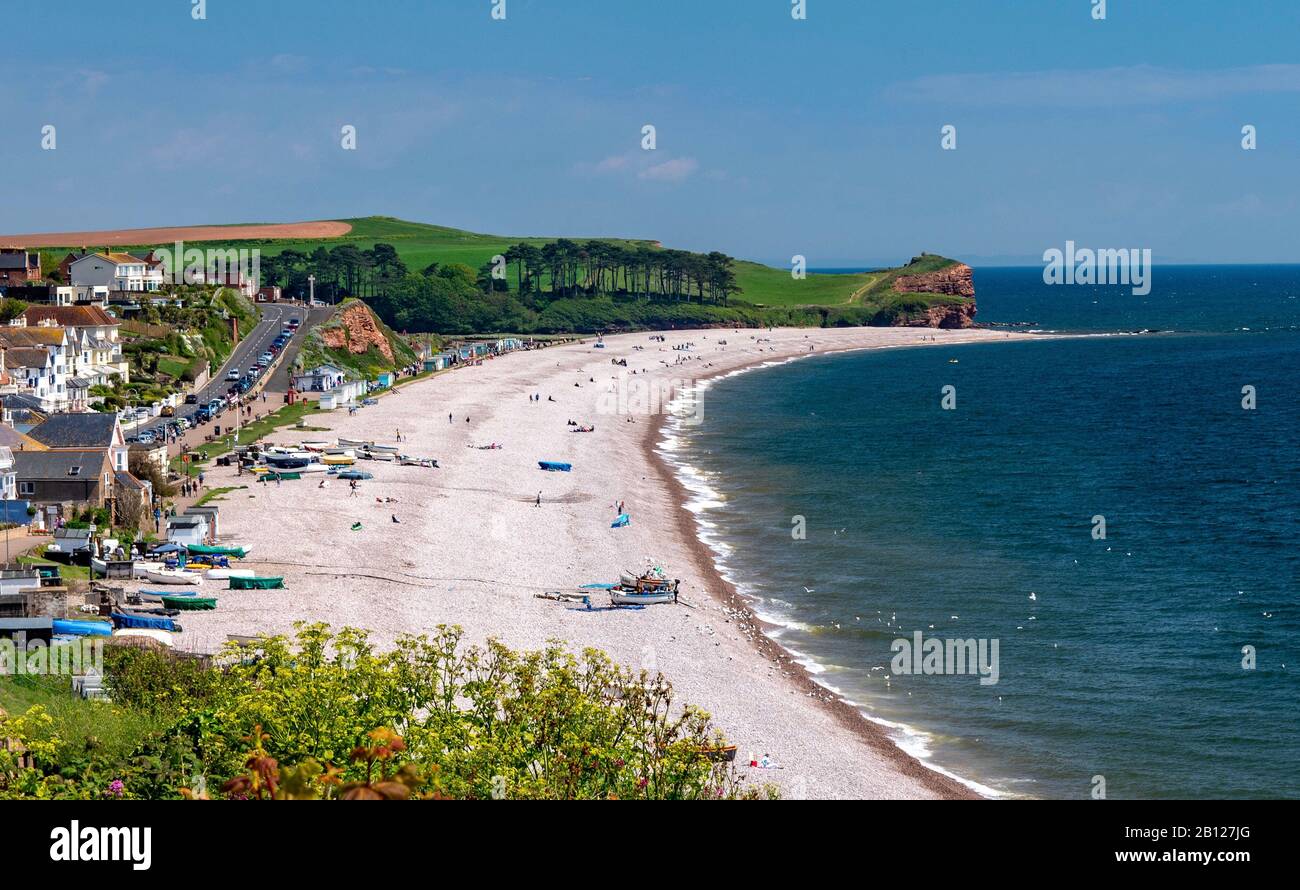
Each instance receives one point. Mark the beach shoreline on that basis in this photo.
(473, 548)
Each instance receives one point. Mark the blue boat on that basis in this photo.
(74, 628)
(355, 474)
(143, 622)
(554, 466)
(622, 520)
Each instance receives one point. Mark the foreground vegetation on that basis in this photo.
(332, 717)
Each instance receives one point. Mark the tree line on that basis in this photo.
(565, 268)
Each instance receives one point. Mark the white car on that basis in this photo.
(232, 375)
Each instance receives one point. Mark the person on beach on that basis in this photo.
(353, 486)
(449, 417)
(538, 502)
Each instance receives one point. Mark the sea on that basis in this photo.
(1109, 524)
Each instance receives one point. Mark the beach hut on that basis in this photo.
(187, 529)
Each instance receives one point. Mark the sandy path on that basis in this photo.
(472, 548)
(169, 235)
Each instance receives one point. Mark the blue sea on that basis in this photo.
(1120, 659)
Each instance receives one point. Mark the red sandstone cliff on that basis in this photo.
(354, 329)
(952, 281)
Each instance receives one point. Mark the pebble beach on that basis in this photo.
(481, 536)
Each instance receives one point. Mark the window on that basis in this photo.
(74, 471)
(28, 488)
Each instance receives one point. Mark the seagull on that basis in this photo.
(1032, 595)
(809, 590)
(1267, 614)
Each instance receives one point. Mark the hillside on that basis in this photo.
(354, 339)
(767, 295)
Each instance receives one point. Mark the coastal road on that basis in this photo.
(278, 384)
(275, 316)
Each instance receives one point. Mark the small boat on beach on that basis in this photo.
(382, 449)
(719, 753)
(73, 627)
(378, 455)
(359, 475)
(354, 443)
(408, 460)
(315, 446)
(141, 622)
(555, 466)
(264, 583)
(155, 596)
(227, 574)
(338, 460)
(162, 636)
(648, 588)
(235, 550)
(190, 603)
(173, 576)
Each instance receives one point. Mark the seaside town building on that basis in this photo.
(18, 266)
(116, 271)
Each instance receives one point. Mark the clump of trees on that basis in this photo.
(565, 268)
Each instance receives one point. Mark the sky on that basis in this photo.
(774, 136)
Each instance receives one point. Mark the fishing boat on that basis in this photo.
(235, 550)
(227, 574)
(264, 583)
(408, 460)
(648, 588)
(382, 449)
(554, 466)
(355, 474)
(173, 576)
(315, 446)
(190, 603)
(354, 443)
(378, 455)
(282, 477)
(338, 460)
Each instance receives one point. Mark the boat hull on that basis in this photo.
(164, 576)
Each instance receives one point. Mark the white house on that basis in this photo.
(8, 477)
(116, 271)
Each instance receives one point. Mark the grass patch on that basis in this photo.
(66, 571)
(216, 494)
(81, 724)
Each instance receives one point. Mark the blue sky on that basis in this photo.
(775, 137)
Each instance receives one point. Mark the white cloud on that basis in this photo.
(674, 170)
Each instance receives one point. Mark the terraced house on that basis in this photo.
(39, 360)
(97, 353)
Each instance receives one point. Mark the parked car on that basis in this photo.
(293, 324)
(232, 374)
(192, 399)
(168, 411)
(265, 358)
